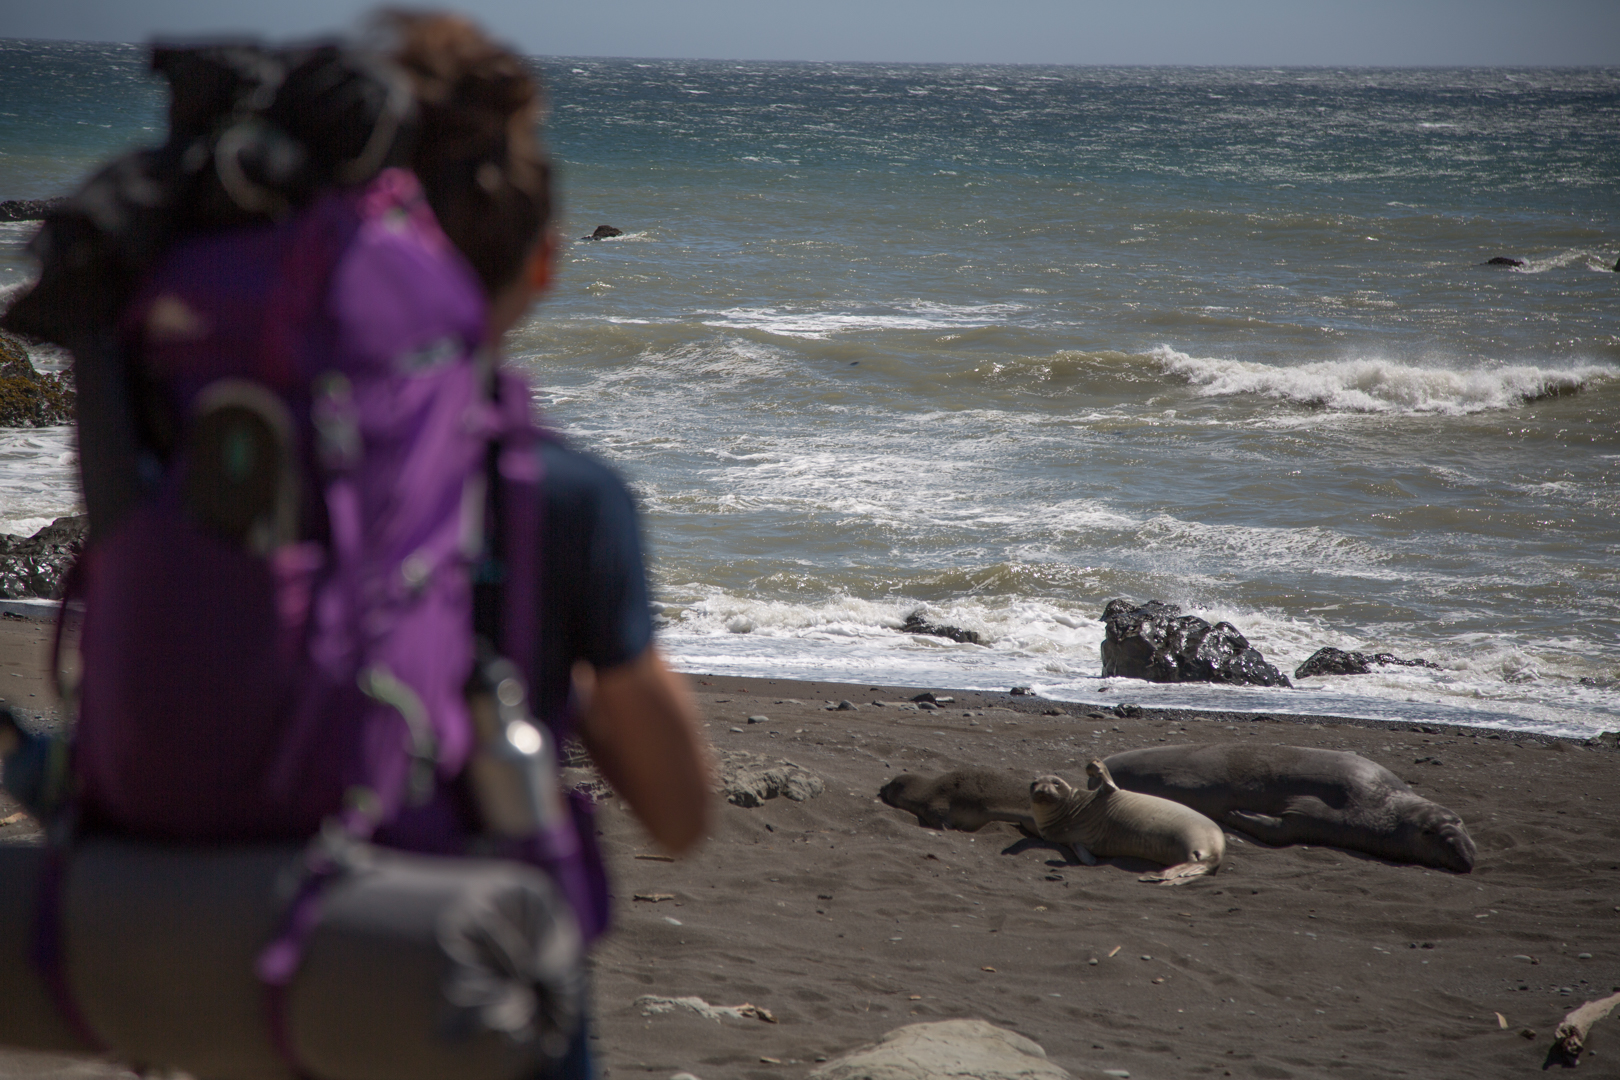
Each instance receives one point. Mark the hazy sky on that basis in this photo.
(1265, 32)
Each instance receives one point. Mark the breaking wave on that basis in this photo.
(1381, 386)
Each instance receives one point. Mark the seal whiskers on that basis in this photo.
(1107, 821)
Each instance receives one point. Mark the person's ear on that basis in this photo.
(542, 266)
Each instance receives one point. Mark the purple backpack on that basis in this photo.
(282, 635)
(248, 664)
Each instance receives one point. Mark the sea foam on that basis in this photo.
(1054, 647)
(39, 478)
(1381, 386)
(820, 324)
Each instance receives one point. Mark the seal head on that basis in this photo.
(1429, 834)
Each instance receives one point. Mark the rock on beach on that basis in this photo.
(28, 397)
(1154, 641)
(28, 209)
(946, 1048)
(33, 567)
(1330, 661)
(916, 624)
(748, 779)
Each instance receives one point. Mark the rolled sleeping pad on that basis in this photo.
(418, 967)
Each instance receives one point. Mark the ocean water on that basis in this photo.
(999, 344)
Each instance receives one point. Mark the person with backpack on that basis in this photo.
(338, 582)
(593, 620)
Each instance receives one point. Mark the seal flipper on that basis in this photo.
(1276, 831)
(1080, 852)
(1179, 874)
(1099, 776)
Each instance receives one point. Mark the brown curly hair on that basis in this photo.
(477, 150)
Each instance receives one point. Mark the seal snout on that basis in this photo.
(1456, 847)
(1437, 837)
(1048, 790)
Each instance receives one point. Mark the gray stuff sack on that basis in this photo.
(418, 968)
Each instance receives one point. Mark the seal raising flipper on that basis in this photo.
(1301, 795)
(1198, 863)
(1106, 821)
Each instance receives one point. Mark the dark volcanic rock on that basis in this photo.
(34, 566)
(1331, 661)
(1503, 260)
(1157, 643)
(602, 232)
(28, 209)
(29, 398)
(916, 624)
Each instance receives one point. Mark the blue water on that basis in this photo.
(1002, 343)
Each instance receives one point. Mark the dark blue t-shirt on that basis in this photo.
(593, 584)
(593, 607)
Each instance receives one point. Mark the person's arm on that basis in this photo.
(641, 728)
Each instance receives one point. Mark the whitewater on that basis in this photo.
(999, 344)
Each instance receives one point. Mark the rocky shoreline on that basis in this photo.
(28, 209)
(30, 397)
(863, 697)
(36, 567)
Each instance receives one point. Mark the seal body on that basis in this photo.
(1299, 795)
(964, 799)
(1106, 821)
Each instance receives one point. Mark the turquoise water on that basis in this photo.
(1002, 343)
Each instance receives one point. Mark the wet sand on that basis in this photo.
(844, 919)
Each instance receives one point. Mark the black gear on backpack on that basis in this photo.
(254, 132)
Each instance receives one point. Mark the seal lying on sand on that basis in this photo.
(1296, 795)
(966, 799)
(1107, 821)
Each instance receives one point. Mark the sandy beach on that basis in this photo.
(844, 919)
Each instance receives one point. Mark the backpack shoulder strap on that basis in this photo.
(507, 582)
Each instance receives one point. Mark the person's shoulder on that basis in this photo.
(579, 479)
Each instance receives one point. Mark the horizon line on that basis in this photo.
(1244, 66)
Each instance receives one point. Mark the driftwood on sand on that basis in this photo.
(1570, 1038)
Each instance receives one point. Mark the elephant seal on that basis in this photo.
(1106, 821)
(1297, 795)
(966, 799)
